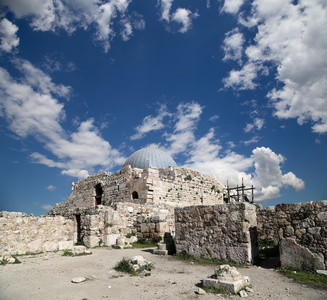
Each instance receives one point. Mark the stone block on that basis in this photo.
(50, 246)
(35, 246)
(160, 252)
(65, 245)
(111, 239)
(295, 256)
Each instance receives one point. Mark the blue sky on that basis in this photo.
(234, 89)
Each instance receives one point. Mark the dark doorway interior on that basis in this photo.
(98, 194)
(78, 228)
(135, 195)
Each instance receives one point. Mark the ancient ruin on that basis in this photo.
(150, 196)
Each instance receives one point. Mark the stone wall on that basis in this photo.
(20, 233)
(102, 225)
(225, 231)
(171, 186)
(306, 223)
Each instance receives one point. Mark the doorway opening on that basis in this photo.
(98, 194)
(78, 229)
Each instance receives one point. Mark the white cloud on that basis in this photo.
(214, 118)
(46, 206)
(51, 188)
(49, 15)
(9, 39)
(256, 125)
(243, 79)
(291, 42)
(188, 115)
(233, 45)
(165, 9)
(263, 168)
(268, 174)
(184, 17)
(255, 139)
(232, 6)
(76, 173)
(151, 123)
(31, 110)
(40, 81)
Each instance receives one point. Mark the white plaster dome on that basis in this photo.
(150, 157)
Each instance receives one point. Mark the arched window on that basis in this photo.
(98, 194)
(135, 195)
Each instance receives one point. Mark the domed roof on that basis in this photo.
(150, 157)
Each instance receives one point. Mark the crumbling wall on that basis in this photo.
(225, 231)
(20, 233)
(184, 187)
(102, 225)
(171, 186)
(306, 223)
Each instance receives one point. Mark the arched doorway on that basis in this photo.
(135, 195)
(98, 194)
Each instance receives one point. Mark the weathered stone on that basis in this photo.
(228, 279)
(201, 291)
(293, 255)
(243, 294)
(78, 279)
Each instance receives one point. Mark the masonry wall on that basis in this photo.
(20, 233)
(171, 186)
(306, 223)
(226, 231)
(102, 225)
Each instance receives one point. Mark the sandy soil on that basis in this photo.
(48, 276)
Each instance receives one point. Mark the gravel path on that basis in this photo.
(49, 275)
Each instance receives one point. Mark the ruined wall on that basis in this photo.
(306, 223)
(225, 231)
(184, 187)
(172, 186)
(102, 225)
(20, 233)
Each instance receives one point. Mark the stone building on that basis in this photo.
(145, 191)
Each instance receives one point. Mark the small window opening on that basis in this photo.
(98, 194)
(135, 195)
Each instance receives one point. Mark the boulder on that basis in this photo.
(295, 256)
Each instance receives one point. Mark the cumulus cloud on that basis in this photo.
(151, 123)
(51, 188)
(268, 174)
(263, 168)
(232, 6)
(49, 15)
(233, 45)
(186, 119)
(290, 43)
(165, 6)
(8, 36)
(256, 125)
(182, 16)
(46, 207)
(31, 109)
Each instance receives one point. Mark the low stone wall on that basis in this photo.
(306, 223)
(225, 231)
(102, 225)
(20, 233)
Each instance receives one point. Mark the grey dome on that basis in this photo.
(149, 157)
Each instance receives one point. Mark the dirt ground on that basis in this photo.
(49, 275)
